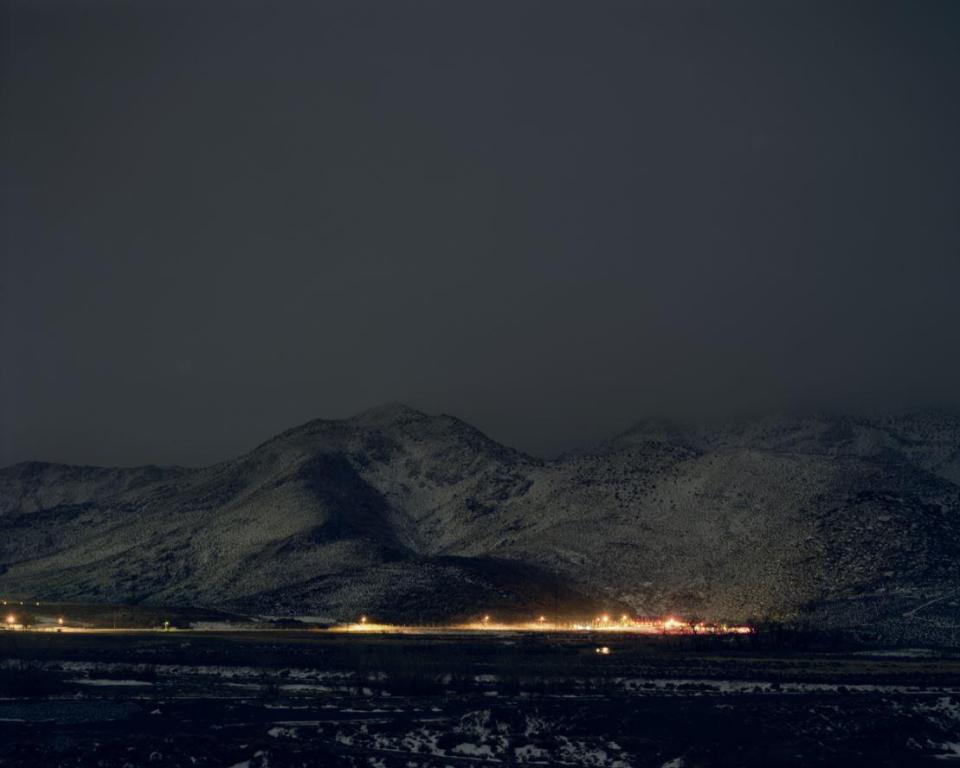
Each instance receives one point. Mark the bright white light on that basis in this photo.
(672, 623)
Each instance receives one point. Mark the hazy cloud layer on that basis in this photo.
(223, 219)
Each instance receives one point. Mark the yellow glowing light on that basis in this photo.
(60, 621)
(603, 650)
(672, 623)
(11, 619)
(602, 623)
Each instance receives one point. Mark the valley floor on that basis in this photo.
(300, 698)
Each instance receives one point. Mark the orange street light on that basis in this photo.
(672, 623)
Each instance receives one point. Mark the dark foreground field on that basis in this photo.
(302, 698)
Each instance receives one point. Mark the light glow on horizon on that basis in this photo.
(670, 625)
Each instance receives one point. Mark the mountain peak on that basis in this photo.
(338, 513)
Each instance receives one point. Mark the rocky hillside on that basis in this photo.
(844, 521)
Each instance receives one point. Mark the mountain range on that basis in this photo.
(841, 521)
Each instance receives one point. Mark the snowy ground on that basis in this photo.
(391, 702)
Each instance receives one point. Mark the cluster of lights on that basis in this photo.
(670, 625)
(604, 622)
(11, 620)
(366, 624)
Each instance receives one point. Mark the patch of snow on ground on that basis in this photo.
(473, 750)
(96, 681)
(901, 653)
(535, 725)
(228, 672)
(693, 686)
(529, 753)
(948, 707)
(306, 688)
(952, 750)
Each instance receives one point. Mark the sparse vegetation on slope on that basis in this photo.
(855, 522)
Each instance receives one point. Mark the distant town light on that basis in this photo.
(603, 650)
(602, 623)
(60, 621)
(672, 623)
(11, 619)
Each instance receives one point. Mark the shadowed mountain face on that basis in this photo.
(406, 516)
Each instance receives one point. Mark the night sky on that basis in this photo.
(220, 220)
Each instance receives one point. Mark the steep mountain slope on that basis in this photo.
(845, 520)
(331, 503)
(764, 517)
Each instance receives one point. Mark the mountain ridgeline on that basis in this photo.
(842, 521)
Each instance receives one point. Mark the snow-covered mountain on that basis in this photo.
(847, 521)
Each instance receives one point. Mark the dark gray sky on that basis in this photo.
(549, 218)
